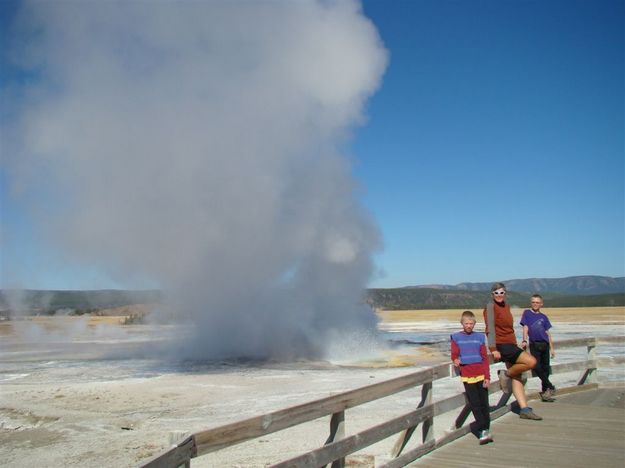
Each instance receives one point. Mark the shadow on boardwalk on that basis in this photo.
(578, 430)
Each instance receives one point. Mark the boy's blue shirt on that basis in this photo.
(469, 345)
(537, 325)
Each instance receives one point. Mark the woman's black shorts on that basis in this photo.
(509, 352)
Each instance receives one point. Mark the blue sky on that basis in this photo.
(494, 148)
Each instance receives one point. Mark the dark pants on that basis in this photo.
(477, 396)
(540, 350)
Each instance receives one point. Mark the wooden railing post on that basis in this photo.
(337, 432)
(426, 399)
(401, 442)
(178, 456)
(428, 424)
(462, 416)
(466, 411)
(590, 374)
(591, 351)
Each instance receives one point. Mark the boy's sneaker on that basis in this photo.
(485, 437)
(528, 413)
(504, 381)
(547, 396)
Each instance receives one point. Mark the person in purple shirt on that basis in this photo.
(536, 327)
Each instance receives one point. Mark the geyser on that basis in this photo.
(200, 144)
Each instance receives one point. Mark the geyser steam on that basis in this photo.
(198, 143)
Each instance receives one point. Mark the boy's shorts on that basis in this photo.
(509, 352)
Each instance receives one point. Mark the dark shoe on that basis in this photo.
(504, 381)
(547, 396)
(485, 437)
(528, 413)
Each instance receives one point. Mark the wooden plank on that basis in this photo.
(326, 454)
(230, 434)
(217, 438)
(573, 366)
(424, 449)
(337, 427)
(337, 432)
(427, 429)
(590, 375)
(567, 390)
(176, 456)
(576, 342)
(370, 436)
(462, 417)
(449, 403)
(426, 399)
(571, 434)
(440, 407)
(610, 339)
(610, 361)
(402, 440)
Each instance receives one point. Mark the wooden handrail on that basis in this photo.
(210, 440)
(241, 431)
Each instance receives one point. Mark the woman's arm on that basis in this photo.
(526, 331)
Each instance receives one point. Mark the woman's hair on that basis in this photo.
(497, 286)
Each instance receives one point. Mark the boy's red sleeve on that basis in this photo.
(455, 350)
(485, 363)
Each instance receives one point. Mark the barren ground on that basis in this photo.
(59, 409)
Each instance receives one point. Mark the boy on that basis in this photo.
(468, 353)
(536, 327)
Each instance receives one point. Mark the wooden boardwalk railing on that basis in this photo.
(338, 445)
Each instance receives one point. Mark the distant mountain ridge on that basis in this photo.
(49, 301)
(574, 285)
(574, 291)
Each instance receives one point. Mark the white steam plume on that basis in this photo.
(197, 143)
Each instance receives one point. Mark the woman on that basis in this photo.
(502, 344)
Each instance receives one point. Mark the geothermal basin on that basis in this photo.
(88, 391)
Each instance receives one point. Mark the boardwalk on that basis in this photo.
(579, 430)
(586, 427)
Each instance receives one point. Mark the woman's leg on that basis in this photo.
(518, 390)
(523, 363)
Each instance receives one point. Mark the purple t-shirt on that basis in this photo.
(537, 324)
